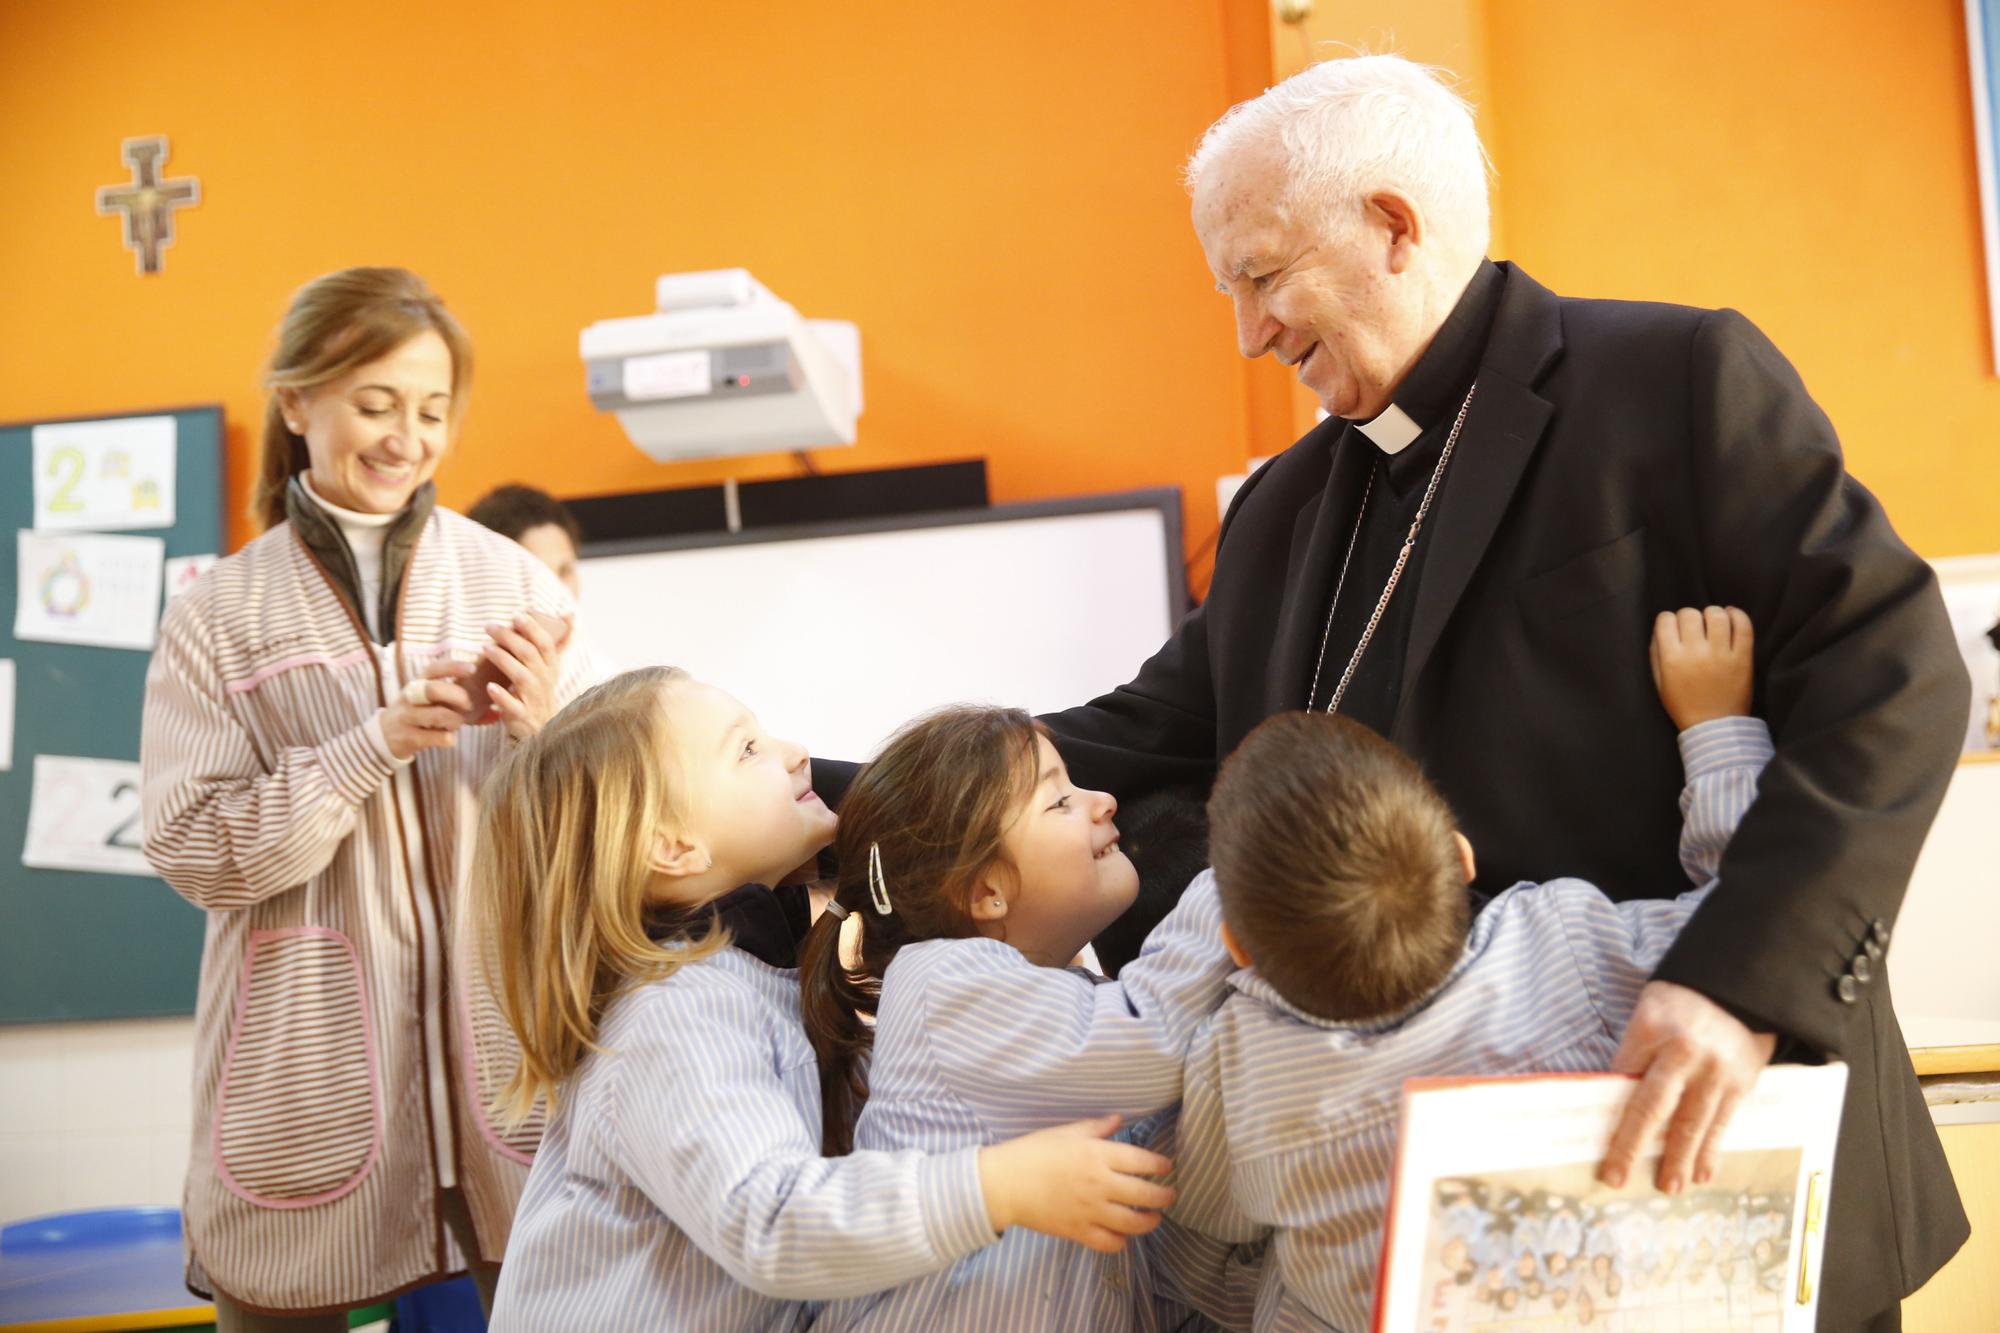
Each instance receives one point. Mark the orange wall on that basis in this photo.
(1812, 165)
(991, 195)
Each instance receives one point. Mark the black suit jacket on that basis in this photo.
(1621, 459)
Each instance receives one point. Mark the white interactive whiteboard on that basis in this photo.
(836, 635)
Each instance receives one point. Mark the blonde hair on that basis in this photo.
(336, 323)
(559, 877)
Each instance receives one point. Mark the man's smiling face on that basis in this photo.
(1328, 298)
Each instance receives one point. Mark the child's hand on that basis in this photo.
(1070, 1183)
(1701, 663)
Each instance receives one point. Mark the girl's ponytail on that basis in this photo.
(831, 1002)
(927, 815)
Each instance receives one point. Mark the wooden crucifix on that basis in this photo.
(148, 203)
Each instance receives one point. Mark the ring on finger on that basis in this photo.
(417, 692)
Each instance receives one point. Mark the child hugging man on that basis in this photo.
(1344, 889)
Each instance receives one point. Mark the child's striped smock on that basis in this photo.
(1289, 1125)
(680, 1183)
(975, 1044)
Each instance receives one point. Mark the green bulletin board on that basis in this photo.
(80, 944)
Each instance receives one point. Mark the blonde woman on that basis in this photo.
(312, 753)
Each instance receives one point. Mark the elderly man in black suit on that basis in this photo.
(1468, 555)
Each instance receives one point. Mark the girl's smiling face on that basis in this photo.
(749, 813)
(1064, 876)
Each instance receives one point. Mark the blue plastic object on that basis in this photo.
(101, 1265)
(92, 1227)
(451, 1306)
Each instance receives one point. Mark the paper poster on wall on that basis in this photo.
(6, 713)
(104, 475)
(183, 570)
(84, 815)
(87, 589)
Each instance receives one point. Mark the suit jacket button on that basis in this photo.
(1880, 930)
(1848, 989)
(1871, 947)
(1861, 969)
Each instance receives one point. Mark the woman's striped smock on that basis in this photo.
(332, 1013)
(1289, 1125)
(680, 1184)
(975, 1044)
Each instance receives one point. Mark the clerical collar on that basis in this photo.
(765, 923)
(1437, 382)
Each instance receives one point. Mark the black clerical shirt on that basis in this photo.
(1430, 394)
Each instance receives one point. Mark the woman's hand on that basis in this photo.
(431, 722)
(528, 656)
(1069, 1182)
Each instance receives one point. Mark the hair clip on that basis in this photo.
(878, 888)
(835, 910)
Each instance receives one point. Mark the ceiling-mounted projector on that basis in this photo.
(724, 367)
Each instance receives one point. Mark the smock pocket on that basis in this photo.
(299, 1116)
(492, 1057)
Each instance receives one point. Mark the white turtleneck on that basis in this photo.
(366, 535)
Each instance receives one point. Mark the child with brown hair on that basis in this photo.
(1343, 881)
(623, 866)
(972, 872)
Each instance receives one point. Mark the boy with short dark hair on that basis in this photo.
(1344, 882)
(538, 521)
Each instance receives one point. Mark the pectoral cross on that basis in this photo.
(148, 203)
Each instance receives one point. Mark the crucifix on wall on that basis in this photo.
(148, 203)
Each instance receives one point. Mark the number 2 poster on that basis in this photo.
(85, 816)
(104, 475)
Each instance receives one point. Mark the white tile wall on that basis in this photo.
(94, 1115)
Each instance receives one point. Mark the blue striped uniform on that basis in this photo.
(1289, 1125)
(975, 1044)
(680, 1184)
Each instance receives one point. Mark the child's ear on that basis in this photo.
(1237, 953)
(989, 901)
(1465, 857)
(675, 857)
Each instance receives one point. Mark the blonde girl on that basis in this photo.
(624, 861)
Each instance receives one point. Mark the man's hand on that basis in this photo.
(1695, 1062)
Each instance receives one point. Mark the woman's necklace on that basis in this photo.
(1395, 575)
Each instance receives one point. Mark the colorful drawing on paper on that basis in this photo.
(88, 588)
(1549, 1248)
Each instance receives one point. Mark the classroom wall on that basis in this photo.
(1808, 162)
(993, 198)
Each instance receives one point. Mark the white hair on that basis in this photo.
(1352, 126)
